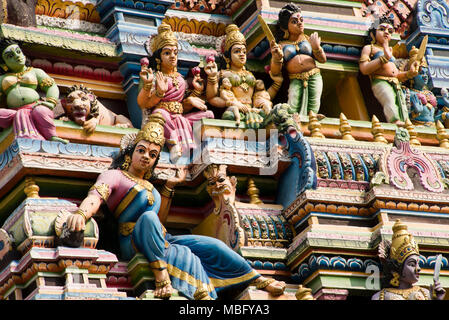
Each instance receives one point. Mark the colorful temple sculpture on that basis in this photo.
(234, 150)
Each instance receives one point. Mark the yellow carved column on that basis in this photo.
(351, 99)
(31, 188)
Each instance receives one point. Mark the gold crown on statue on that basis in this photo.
(165, 37)
(402, 244)
(233, 36)
(152, 131)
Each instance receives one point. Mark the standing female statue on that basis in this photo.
(164, 92)
(197, 266)
(400, 259)
(300, 52)
(30, 115)
(243, 82)
(377, 61)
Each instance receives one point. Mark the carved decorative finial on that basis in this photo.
(253, 192)
(345, 128)
(442, 135)
(31, 188)
(413, 134)
(314, 126)
(377, 130)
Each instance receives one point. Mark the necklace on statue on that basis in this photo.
(174, 78)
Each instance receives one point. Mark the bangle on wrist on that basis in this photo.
(82, 213)
(159, 95)
(148, 86)
(196, 93)
(315, 51)
(212, 80)
(51, 100)
(383, 60)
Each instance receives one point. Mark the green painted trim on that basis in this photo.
(32, 36)
(242, 8)
(99, 128)
(264, 253)
(333, 3)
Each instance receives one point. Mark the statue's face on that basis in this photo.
(169, 57)
(144, 156)
(410, 270)
(219, 183)
(14, 57)
(422, 78)
(296, 23)
(238, 55)
(77, 105)
(384, 32)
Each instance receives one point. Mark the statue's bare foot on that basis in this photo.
(274, 287)
(399, 123)
(163, 288)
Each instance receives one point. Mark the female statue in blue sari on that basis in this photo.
(197, 266)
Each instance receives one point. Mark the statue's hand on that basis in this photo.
(438, 290)
(198, 83)
(196, 103)
(75, 222)
(161, 83)
(276, 51)
(146, 75)
(414, 69)
(48, 104)
(315, 41)
(388, 52)
(242, 107)
(180, 176)
(211, 69)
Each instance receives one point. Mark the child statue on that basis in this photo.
(229, 97)
(378, 62)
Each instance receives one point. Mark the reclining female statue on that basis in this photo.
(197, 266)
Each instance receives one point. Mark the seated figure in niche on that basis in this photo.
(31, 116)
(229, 97)
(82, 107)
(422, 103)
(300, 52)
(443, 112)
(164, 91)
(400, 260)
(378, 62)
(243, 81)
(197, 266)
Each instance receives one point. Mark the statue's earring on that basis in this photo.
(126, 163)
(148, 174)
(286, 34)
(4, 67)
(373, 38)
(395, 281)
(227, 62)
(158, 64)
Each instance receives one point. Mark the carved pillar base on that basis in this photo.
(331, 294)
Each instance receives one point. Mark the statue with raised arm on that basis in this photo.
(164, 89)
(242, 81)
(378, 62)
(400, 260)
(197, 266)
(30, 115)
(300, 53)
(421, 101)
